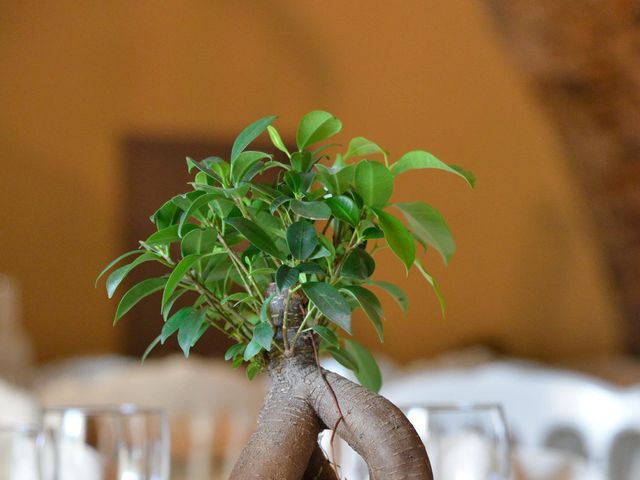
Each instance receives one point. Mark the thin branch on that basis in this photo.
(302, 325)
(243, 272)
(285, 317)
(221, 309)
(350, 246)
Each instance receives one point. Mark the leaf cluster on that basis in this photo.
(314, 230)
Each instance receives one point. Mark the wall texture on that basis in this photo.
(423, 74)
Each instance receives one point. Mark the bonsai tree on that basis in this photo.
(279, 268)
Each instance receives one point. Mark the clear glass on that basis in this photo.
(464, 442)
(25, 454)
(109, 443)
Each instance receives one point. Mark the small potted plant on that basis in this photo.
(279, 267)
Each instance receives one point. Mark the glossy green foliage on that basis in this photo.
(313, 231)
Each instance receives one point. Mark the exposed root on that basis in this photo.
(287, 432)
(376, 429)
(304, 399)
(299, 405)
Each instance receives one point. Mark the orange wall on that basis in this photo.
(423, 74)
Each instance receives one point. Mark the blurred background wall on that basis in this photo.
(79, 77)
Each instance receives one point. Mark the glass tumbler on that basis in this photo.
(464, 442)
(26, 453)
(109, 443)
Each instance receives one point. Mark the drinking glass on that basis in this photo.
(109, 443)
(464, 442)
(25, 454)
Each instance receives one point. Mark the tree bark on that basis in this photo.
(319, 467)
(374, 427)
(304, 399)
(288, 427)
(300, 403)
(583, 61)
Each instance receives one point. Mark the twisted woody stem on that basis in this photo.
(304, 399)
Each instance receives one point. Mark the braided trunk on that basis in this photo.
(302, 401)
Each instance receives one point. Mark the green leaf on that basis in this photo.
(265, 190)
(203, 328)
(263, 335)
(293, 180)
(418, 159)
(223, 169)
(277, 140)
(368, 373)
(302, 239)
(361, 147)
(264, 308)
(119, 275)
(233, 351)
(244, 164)
(202, 179)
(372, 233)
(253, 348)
(301, 161)
(359, 264)
(114, 262)
(236, 298)
(344, 209)
(190, 331)
(434, 284)
(137, 293)
(329, 301)
(327, 335)
(200, 241)
(237, 362)
(256, 235)
(168, 235)
(218, 268)
(256, 169)
(263, 271)
(166, 308)
(396, 293)
(398, 238)
(277, 202)
(184, 200)
(272, 224)
(165, 215)
(286, 277)
(429, 226)
(252, 370)
(238, 193)
(370, 304)
(325, 249)
(196, 205)
(310, 267)
(334, 179)
(222, 207)
(307, 181)
(203, 166)
(374, 183)
(316, 126)
(249, 134)
(313, 210)
(149, 349)
(174, 323)
(343, 357)
(179, 271)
